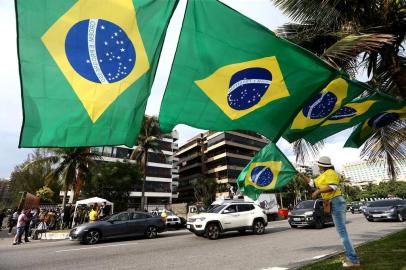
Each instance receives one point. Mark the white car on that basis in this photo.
(228, 215)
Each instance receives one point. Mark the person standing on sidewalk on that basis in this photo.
(21, 222)
(328, 187)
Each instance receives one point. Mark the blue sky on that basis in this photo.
(10, 101)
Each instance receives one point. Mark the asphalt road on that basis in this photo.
(280, 246)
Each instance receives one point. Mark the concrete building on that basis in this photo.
(362, 173)
(305, 169)
(162, 172)
(217, 155)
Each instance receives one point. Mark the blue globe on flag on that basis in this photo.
(320, 106)
(343, 112)
(261, 176)
(100, 51)
(247, 87)
(383, 119)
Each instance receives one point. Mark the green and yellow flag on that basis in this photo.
(365, 130)
(324, 104)
(231, 73)
(87, 67)
(269, 169)
(352, 114)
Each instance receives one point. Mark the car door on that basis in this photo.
(246, 213)
(118, 225)
(229, 217)
(137, 223)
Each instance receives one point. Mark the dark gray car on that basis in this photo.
(309, 213)
(386, 210)
(122, 224)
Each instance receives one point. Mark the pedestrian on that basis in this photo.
(66, 216)
(103, 211)
(93, 214)
(21, 222)
(2, 216)
(12, 220)
(328, 186)
(27, 226)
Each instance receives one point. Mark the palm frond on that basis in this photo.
(388, 144)
(305, 151)
(348, 48)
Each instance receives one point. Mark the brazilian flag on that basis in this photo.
(353, 113)
(269, 169)
(365, 130)
(231, 73)
(87, 67)
(324, 104)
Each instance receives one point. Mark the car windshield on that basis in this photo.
(215, 208)
(384, 203)
(305, 205)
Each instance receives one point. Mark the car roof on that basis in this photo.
(231, 201)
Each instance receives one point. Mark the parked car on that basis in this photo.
(123, 224)
(394, 209)
(309, 213)
(228, 215)
(355, 207)
(172, 220)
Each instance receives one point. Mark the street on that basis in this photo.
(280, 246)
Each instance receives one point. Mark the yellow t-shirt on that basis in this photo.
(329, 177)
(92, 216)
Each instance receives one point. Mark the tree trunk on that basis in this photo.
(65, 193)
(143, 180)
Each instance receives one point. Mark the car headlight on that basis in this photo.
(390, 211)
(200, 219)
(308, 213)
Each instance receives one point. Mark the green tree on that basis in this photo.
(33, 178)
(45, 194)
(113, 181)
(205, 190)
(68, 165)
(148, 139)
(356, 36)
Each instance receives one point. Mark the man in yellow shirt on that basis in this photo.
(328, 186)
(93, 215)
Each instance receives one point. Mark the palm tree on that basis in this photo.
(358, 36)
(148, 140)
(70, 164)
(205, 190)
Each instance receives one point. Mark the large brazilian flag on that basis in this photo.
(322, 106)
(231, 73)
(367, 128)
(269, 169)
(353, 113)
(87, 68)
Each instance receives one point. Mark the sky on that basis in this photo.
(261, 11)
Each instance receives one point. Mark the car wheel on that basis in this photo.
(151, 232)
(258, 227)
(212, 231)
(370, 219)
(92, 237)
(400, 217)
(293, 226)
(318, 224)
(242, 231)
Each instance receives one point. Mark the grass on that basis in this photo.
(388, 253)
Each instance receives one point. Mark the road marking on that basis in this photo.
(320, 256)
(275, 268)
(76, 249)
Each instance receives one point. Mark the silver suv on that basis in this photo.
(228, 215)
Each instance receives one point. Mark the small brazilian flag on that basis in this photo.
(231, 73)
(352, 114)
(323, 105)
(367, 128)
(87, 67)
(269, 169)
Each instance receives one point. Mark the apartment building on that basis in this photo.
(162, 172)
(362, 173)
(217, 155)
